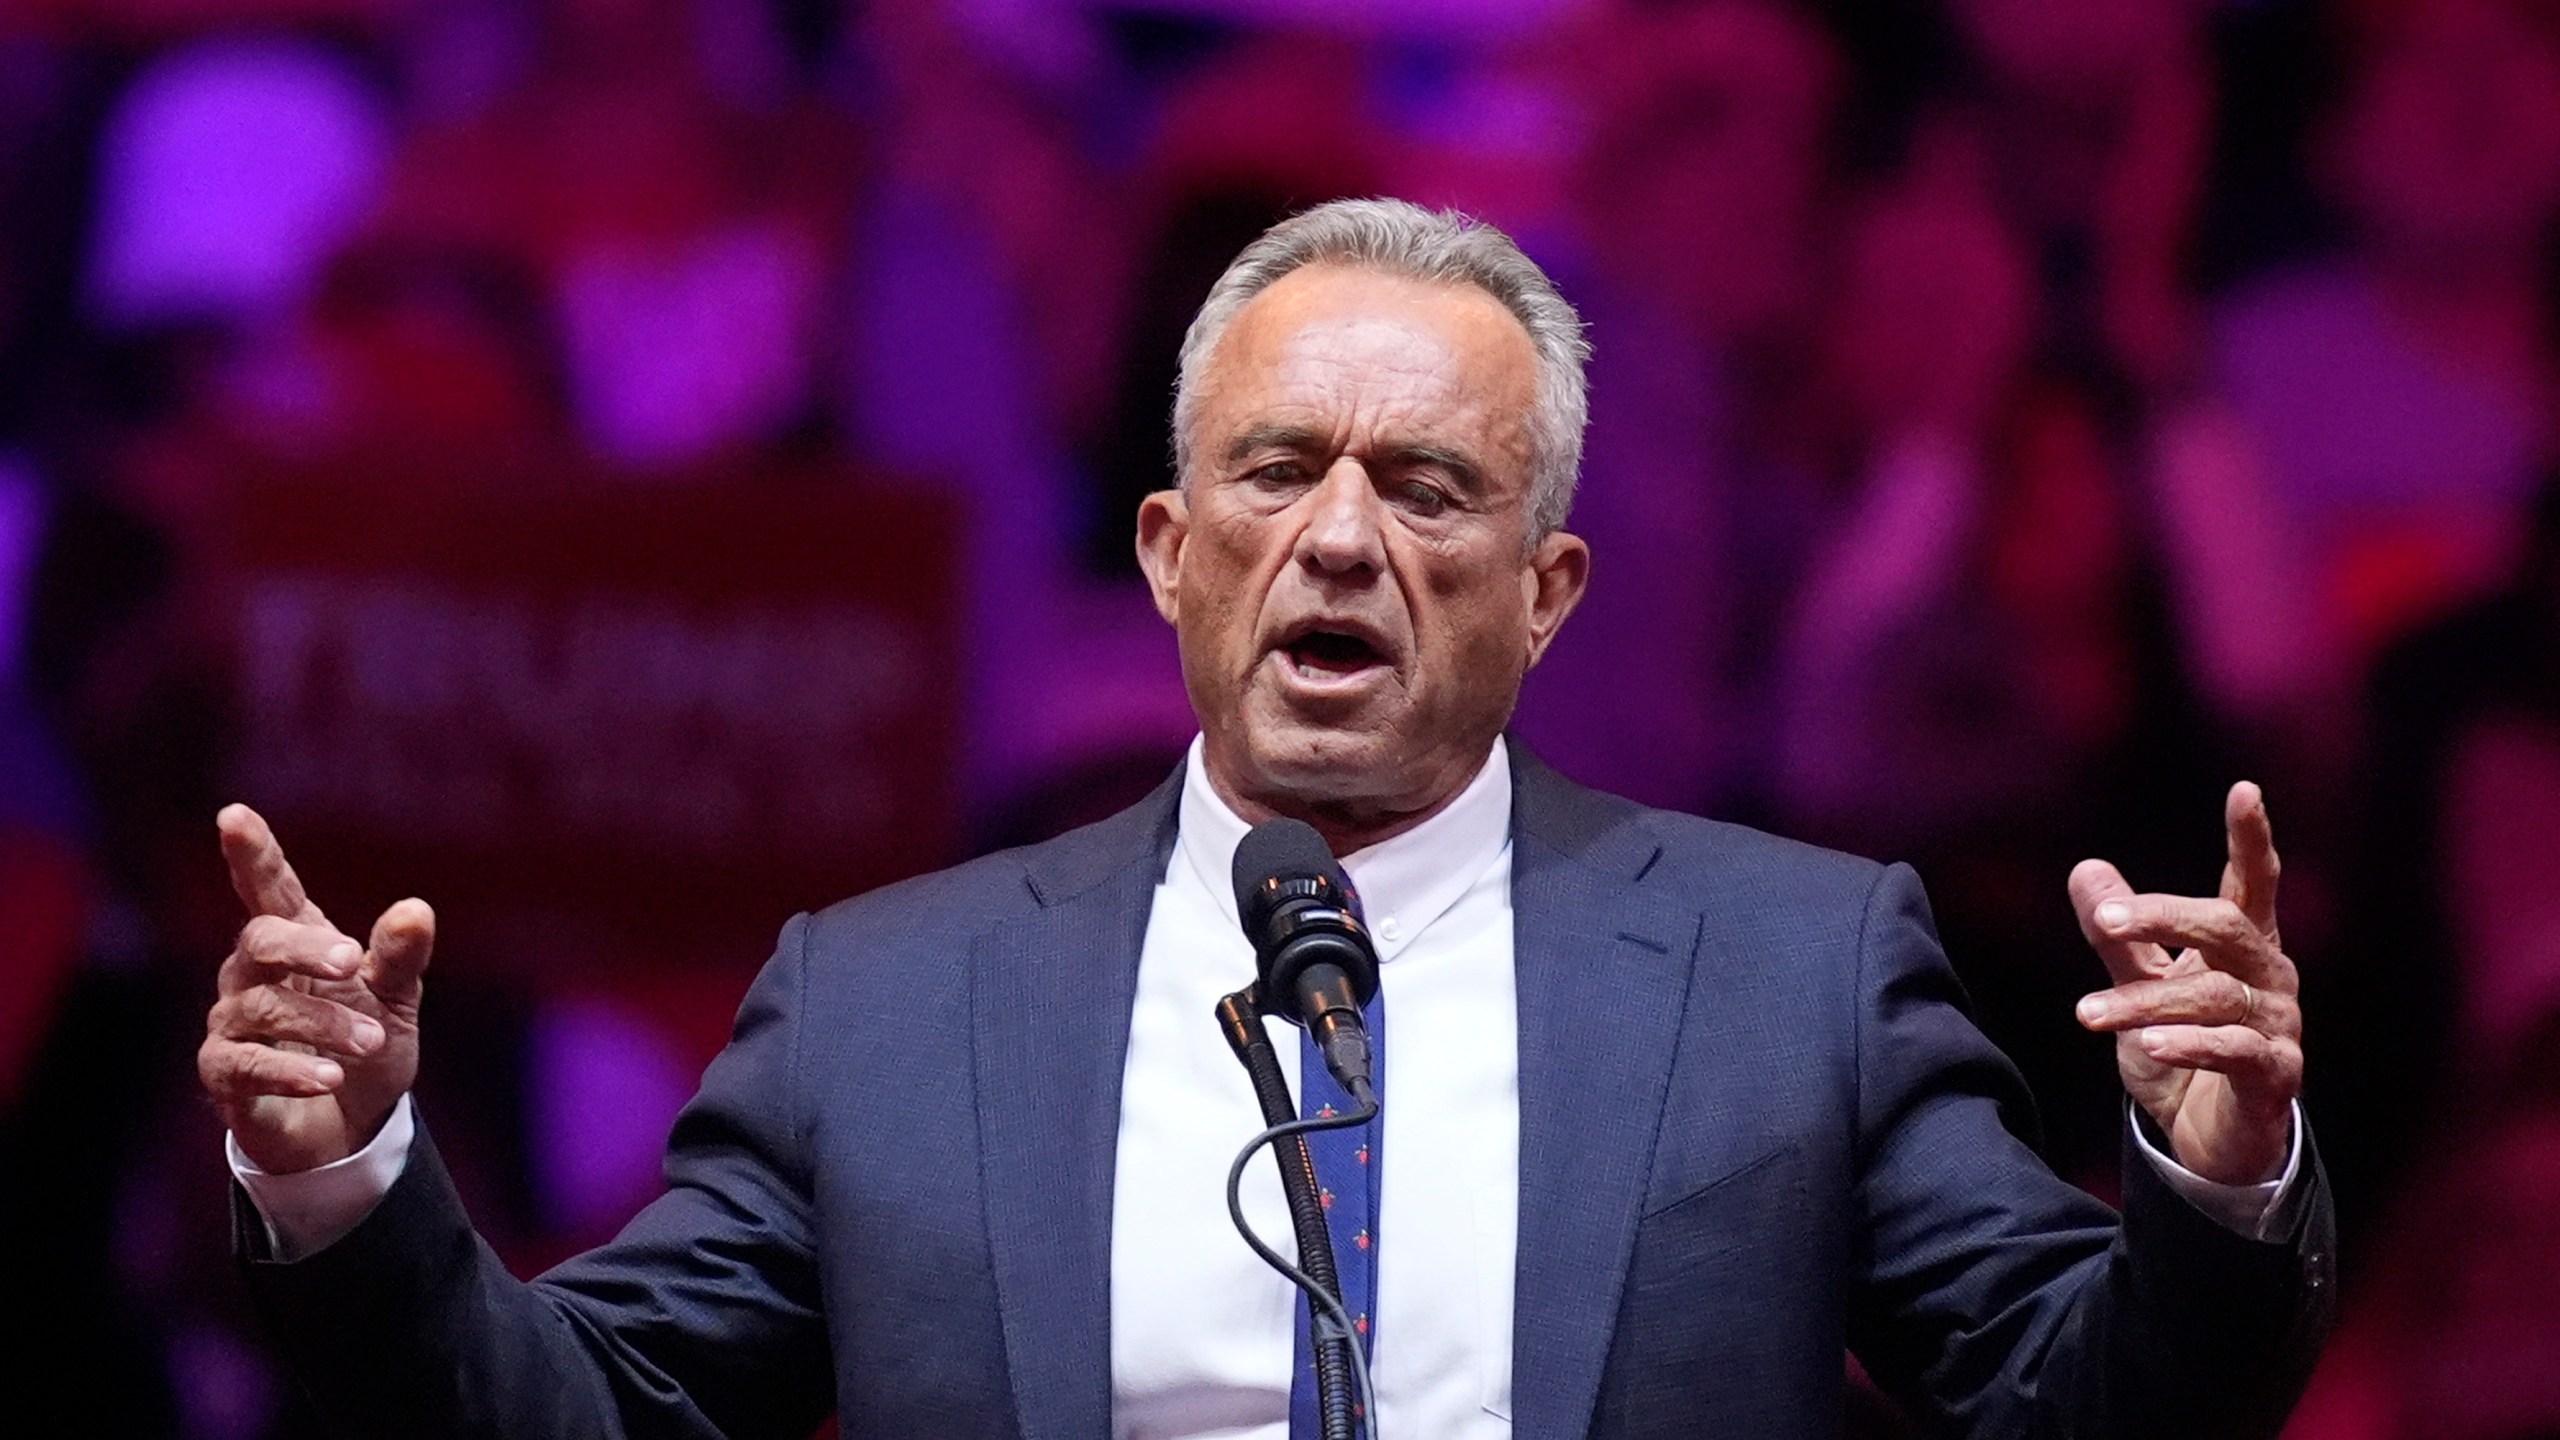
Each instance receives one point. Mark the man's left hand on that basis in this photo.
(2206, 1009)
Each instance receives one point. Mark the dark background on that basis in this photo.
(628, 469)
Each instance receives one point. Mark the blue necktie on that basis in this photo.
(1346, 1164)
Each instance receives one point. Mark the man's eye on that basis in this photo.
(1422, 497)
(1278, 473)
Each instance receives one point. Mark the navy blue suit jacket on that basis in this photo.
(1756, 1128)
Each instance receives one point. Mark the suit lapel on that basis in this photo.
(1050, 995)
(1603, 971)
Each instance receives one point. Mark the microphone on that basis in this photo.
(1316, 964)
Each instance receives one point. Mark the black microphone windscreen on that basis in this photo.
(1280, 847)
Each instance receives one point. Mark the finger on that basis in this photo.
(2268, 1065)
(260, 875)
(270, 946)
(403, 940)
(2209, 997)
(2215, 929)
(2094, 885)
(2249, 875)
(274, 1015)
(237, 1071)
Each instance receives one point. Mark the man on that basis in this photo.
(1675, 1111)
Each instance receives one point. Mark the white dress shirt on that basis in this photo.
(1202, 1332)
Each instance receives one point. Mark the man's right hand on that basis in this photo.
(311, 1040)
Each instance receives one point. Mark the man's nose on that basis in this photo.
(1342, 531)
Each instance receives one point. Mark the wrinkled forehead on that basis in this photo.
(1352, 347)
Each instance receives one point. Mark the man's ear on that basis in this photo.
(1553, 582)
(1164, 519)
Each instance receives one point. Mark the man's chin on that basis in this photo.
(1356, 786)
(1330, 766)
(1294, 758)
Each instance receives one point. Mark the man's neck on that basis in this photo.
(1348, 826)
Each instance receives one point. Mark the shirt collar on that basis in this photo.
(1405, 883)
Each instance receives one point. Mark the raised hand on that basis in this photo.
(2208, 1039)
(312, 1038)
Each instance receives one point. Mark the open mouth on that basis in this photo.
(1332, 652)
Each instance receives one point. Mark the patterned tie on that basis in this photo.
(1346, 1164)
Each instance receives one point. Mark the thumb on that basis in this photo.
(2095, 883)
(395, 962)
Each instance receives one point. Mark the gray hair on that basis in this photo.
(1401, 238)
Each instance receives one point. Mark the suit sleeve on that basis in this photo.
(700, 1319)
(1997, 1299)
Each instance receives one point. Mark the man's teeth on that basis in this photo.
(1332, 653)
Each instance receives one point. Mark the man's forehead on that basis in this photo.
(1442, 344)
(1341, 294)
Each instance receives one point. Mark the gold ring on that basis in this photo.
(2248, 1003)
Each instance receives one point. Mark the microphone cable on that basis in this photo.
(1334, 1344)
(1330, 1322)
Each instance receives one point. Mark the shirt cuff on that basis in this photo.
(308, 1211)
(2264, 1211)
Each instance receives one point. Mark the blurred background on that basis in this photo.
(629, 469)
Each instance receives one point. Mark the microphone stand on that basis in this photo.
(1240, 1019)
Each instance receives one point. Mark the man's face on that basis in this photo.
(1348, 567)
